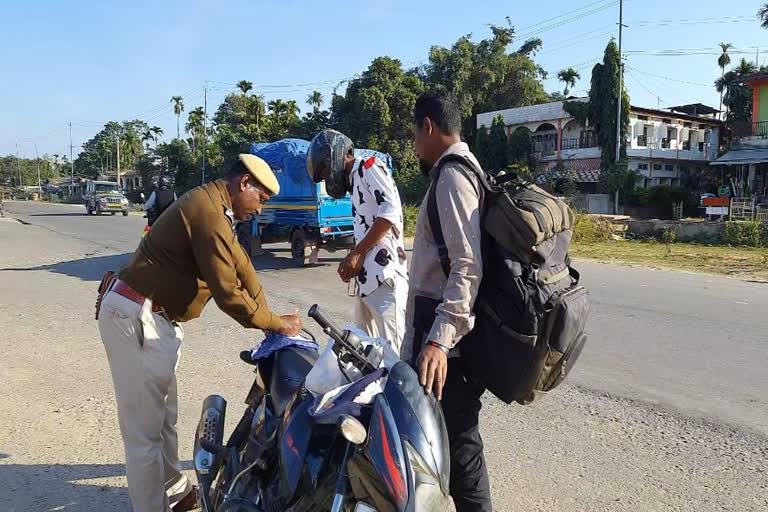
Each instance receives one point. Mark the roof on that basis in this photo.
(530, 114)
(675, 115)
(584, 171)
(743, 156)
(695, 109)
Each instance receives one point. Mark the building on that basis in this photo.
(746, 162)
(130, 179)
(662, 144)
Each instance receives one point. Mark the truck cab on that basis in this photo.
(104, 197)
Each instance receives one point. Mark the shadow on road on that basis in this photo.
(269, 260)
(64, 487)
(67, 214)
(87, 269)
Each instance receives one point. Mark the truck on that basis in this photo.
(303, 213)
(103, 197)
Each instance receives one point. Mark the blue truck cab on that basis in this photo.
(303, 213)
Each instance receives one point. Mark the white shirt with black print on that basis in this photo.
(374, 196)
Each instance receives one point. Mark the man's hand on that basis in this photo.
(291, 325)
(351, 265)
(433, 369)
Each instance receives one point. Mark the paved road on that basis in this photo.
(667, 410)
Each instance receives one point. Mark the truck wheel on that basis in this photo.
(299, 249)
(125, 213)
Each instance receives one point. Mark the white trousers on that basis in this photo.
(143, 351)
(382, 313)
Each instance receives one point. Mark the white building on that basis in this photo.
(662, 145)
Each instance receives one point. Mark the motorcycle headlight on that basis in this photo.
(429, 494)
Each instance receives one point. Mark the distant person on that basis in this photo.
(190, 256)
(377, 262)
(441, 299)
(160, 199)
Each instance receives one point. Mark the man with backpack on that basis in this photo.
(440, 307)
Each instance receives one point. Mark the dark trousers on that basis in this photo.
(470, 488)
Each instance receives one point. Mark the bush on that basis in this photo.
(746, 234)
(410, 214)
(411, 184)
(589, 229)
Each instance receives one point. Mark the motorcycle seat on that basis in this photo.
(289, 369)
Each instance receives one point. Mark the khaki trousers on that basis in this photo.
(143, 352)
(382, 313)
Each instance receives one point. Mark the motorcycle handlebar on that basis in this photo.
(323, 321)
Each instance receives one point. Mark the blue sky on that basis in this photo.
(90, 62)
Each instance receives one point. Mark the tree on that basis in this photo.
(482, 147)
(568, 76)
(315, 100)
(497, 159)
(156, 133)
(177, 159)
(521, 148)
(485, 76)
(599, 112)
(178, 108)
(762, 13)
(737, 95)
(723, 60)
(244, 86)
(195, 126)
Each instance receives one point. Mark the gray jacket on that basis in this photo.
(459, 202)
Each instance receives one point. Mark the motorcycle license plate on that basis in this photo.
(364, 507)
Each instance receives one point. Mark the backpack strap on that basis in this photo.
(433, 215)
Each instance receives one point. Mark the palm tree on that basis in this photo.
(146, 136)
(156, 132)
(763, 15)
(195, 126)
(178, 108)
(315, 100)
(277, 108)
(244, 86)
(723, 62)
(568, 76)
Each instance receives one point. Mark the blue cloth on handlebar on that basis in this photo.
(274, 342)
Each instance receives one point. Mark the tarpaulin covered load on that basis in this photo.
(287, 157)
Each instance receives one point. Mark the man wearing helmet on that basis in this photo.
(378, 261)
(160, 199)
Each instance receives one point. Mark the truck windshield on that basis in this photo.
(105, 189)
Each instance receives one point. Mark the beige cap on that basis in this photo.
(261, 171)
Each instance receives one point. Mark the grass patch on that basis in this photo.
(741, 262)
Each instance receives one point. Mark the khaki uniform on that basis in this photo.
(190, 256)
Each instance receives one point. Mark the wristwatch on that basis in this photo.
(441, 347)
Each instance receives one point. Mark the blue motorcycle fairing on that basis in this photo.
(419, 420)
(385, 453)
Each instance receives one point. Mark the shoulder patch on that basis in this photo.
(369, 163)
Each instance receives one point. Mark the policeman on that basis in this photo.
(190, 256)
(160, 199)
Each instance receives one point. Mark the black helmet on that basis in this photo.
(164, 182)
(325, 161)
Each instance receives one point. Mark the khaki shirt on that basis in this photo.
(192, 254)
(459, 203)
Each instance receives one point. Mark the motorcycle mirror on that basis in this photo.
(352, 430)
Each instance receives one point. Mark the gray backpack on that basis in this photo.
(530, 311)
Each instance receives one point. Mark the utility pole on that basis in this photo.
(118, 160)
(18, 164)
(205, 128)
(619, 102)
(37, 157)
(71, 160)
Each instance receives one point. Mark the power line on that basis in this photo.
(528, 35)
(669, 79)
(548, 20)
(695, 21)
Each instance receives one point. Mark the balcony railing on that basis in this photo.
(747, 129)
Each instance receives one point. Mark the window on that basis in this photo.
(642, 167)
(669, 168)
(687, 125)
(656, 167)
(701, 147)
(642, 118)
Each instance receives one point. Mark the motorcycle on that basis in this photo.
(296, 452)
